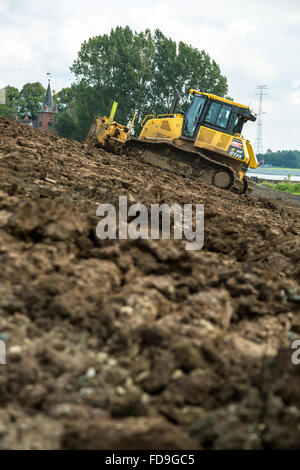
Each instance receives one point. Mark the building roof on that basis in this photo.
(48, 105)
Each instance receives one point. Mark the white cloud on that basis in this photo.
(4, 7)
(241, 28)
(295, 98)
(296, 84)
(293, 18)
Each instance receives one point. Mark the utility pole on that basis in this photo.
(259, 136)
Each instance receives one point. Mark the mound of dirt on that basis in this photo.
(126, 344)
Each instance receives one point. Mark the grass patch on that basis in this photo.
(287, 187)
(279, 168)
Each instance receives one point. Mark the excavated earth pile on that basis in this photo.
(141, 344)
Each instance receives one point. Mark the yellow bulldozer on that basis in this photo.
(205, 142)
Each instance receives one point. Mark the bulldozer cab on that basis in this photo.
(215, 113)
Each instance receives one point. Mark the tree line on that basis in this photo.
(24, 102)
(29, 100)
(138, 70)
(281, 158)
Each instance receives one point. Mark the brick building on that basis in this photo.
(47, 112)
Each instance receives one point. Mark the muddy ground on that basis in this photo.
(281, 196)
(141, 344)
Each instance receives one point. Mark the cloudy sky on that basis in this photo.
(255, 42)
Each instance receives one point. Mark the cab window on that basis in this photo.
(192, 116)
(238, 125)
(223, 116)
(218, 114)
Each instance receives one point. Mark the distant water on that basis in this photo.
(279, 174)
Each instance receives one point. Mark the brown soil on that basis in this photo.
(141, 344)
(280, 196)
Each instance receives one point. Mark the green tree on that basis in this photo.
(12, 103)
(282, 158)
(115, 67)
(183, 67)
(141, 72)
(6, 111)
(32, 97)
(64, 99)
(13, 98)
(65, 125)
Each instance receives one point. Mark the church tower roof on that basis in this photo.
(48, 105)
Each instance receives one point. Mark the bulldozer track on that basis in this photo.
(191, 164)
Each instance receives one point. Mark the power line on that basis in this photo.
(259, 134)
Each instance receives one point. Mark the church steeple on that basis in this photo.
(48, 105)
(47, 112)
